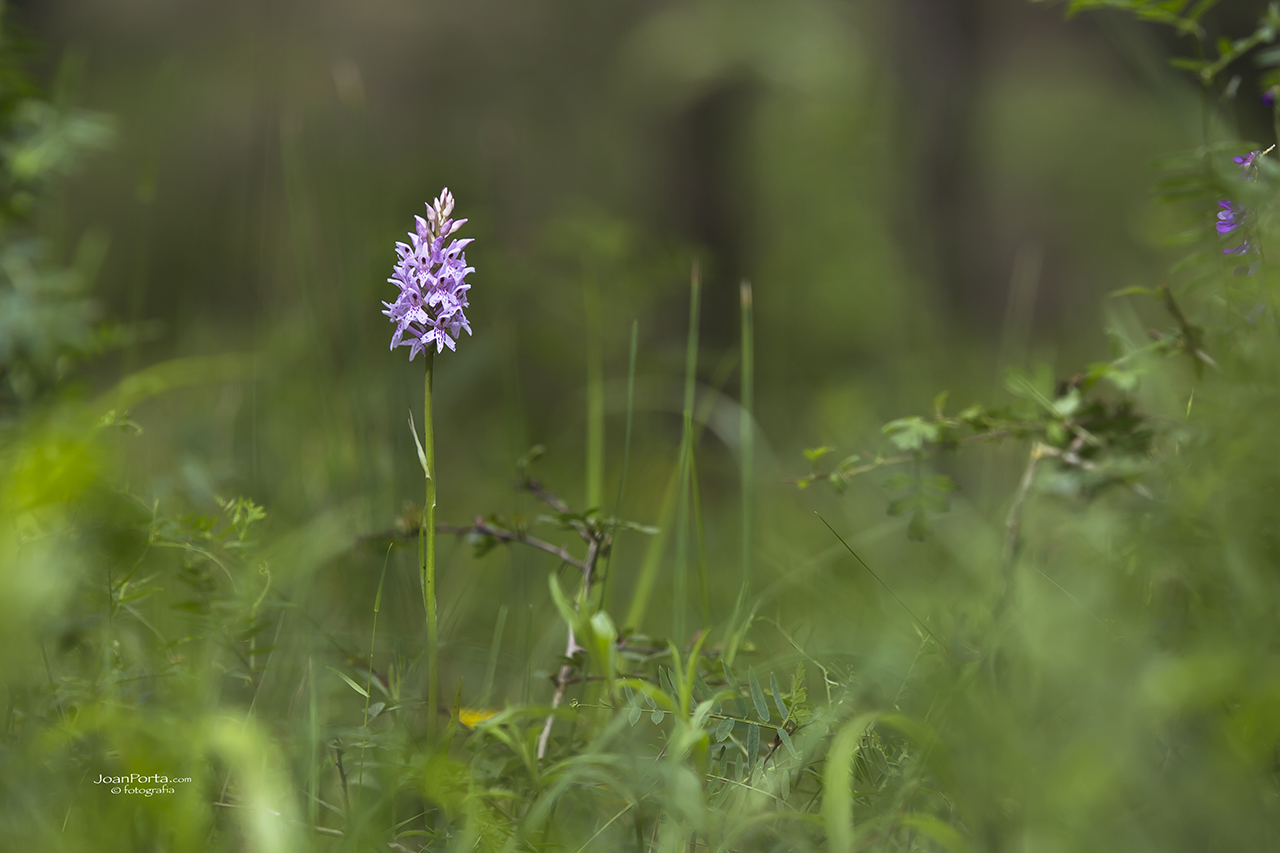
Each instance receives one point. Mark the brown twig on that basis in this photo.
(1013, 521)
(1190, 334)
(342, 774)
(536, 489)
(509, 536)
(483, 528)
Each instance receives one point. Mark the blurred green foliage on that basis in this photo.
(207, 565)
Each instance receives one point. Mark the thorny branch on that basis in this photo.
(508, 536)
(901, 459)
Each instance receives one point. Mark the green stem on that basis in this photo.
(427, 543)
(746, 428)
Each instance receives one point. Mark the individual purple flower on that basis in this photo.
(1269, 97)
(431, 273)
(1230, 217)
(1246, 162)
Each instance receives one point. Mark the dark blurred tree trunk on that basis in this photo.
(709, 196)
(936, 47)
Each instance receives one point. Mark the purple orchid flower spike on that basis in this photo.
(431, 273)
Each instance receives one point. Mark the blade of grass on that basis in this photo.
(700, 540)
(595, 396)
(626, 459)
(313, 739)
(681, 592)
(882, 583)
(746, 426)
(492, 666)
(653, 555)
(368, 686)
(647, 579)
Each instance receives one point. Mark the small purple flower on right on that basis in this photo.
(1233, 215)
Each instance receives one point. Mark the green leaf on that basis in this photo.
(658, 716)
(901, 505)
(777, 697)
(1267, 58)
(633, 716)
(1066, 406)
(938, 831)
(753, 744)
(918, 529)
(738, 706)
(898, 482)
(757, 696)
(813, 454)
(724, 730)
(1136, 291)
(356, 687)
(911, 433)
(668, 686)
(567, 612)
(422, 454)
(700, 687)
(934, 503)
(941, 483)
(837, 800)
(786, 742)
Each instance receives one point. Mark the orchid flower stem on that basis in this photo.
(427, 545)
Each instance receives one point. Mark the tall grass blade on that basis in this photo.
(681, 586)
(626, 460)
(700, 540)
(494, 648)
(746, 427)
(648, 576)
(595, 396)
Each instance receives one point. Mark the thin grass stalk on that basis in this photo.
(700, 540)
(494, 647)
(657, 548)
(746, 427)
(652, 562)
(313, 740)
(686, 461)
(368, 684)
(626, 459)
(595, 396)
(427, 545)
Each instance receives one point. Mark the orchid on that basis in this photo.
(431, 273)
